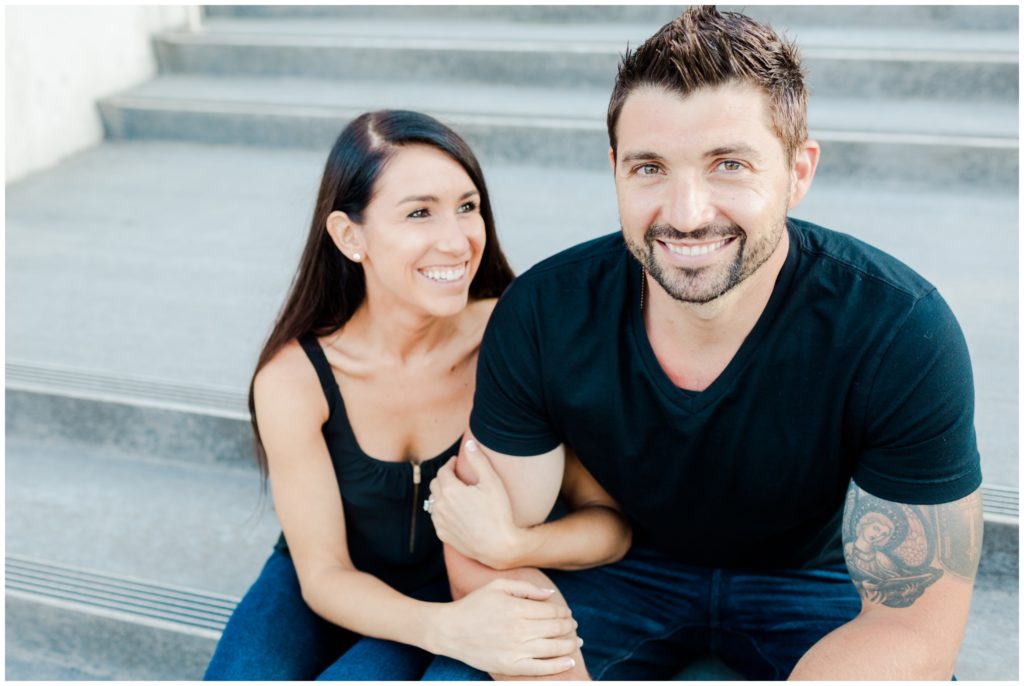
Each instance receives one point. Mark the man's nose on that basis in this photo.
(689, 204)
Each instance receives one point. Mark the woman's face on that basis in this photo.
(423, 231)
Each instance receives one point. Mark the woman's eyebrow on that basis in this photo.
(434, 198)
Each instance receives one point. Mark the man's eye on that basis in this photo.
(647, 169)
(731, 165)
(467, 207)
(421, 213)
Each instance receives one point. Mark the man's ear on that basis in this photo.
(611, 158)
(346, 235)
(805, 163)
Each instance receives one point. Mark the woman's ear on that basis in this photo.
(346, 235)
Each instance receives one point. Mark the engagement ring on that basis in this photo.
(428, 505)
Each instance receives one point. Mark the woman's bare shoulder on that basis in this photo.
(288, 382)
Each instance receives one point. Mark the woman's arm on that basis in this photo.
(489, 629)
(477, 520)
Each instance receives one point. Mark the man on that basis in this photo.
(752, 390)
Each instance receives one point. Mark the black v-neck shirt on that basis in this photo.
(856, 369)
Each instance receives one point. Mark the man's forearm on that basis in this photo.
(588, 537)
(880, 646)
(466, 575)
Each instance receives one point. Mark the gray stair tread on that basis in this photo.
(939, 17)
(169, 260)
(989, 649)
(187, 527)
(455, 33)
(26, 665)
(178, 524)
(579, 107)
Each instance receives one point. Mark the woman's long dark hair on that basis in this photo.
(328, 288)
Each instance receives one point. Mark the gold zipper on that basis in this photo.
(415, 502)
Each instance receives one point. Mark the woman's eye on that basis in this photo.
(419, 214)
(467, 207)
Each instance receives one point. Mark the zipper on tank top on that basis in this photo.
(415, 502)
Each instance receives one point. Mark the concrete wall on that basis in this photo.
(59, 61)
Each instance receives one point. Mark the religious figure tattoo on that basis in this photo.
(895, 551)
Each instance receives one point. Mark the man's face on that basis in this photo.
(703, 186)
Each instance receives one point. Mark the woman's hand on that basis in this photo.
(507, 627)
(476, 520)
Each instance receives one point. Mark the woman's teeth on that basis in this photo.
(445, 274)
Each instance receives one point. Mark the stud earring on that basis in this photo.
(356, 257)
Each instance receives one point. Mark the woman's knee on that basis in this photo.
(272, 633)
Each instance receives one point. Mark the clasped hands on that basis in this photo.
(507, 627)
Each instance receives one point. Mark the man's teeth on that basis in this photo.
(450, 274)
(696, 249)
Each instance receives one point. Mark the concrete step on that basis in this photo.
(961, 143)
(128, 566)
(165, 264)
(923, 17)
(842, 61)
(124, 566)
(149, 521)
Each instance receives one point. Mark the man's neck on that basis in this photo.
(695, 342)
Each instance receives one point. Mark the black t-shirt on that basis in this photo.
(856, 368)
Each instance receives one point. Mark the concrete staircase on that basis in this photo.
(143, 275)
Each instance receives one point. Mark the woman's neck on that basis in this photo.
(397, 333)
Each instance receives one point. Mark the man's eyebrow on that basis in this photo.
(739, 149)
(433, 198)
(642, 155)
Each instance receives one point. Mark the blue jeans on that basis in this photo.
(646, 617)
(273, 635)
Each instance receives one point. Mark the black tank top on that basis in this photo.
(389, 534)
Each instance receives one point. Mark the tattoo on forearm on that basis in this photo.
(895, 552)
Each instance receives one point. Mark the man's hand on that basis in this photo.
(476, 520)
(508, 627)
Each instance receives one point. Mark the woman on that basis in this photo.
(360, 395)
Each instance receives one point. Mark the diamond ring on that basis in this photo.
(428, 505)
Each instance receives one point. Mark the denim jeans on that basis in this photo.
(273, 635)
(646, 617)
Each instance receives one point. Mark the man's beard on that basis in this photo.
(704, 284)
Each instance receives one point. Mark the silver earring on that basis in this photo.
(356, 257)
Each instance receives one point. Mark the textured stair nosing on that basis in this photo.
(538, 122)
(329, 112)
(193, 612)
(102, 592)
(120, 615)
(908, 55)
(145, 392)
(30, 564)
(604, 47)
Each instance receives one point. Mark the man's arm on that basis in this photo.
(914, 566)
(477, 520)
(532, 484)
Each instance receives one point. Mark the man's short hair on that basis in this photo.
(703, 48)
